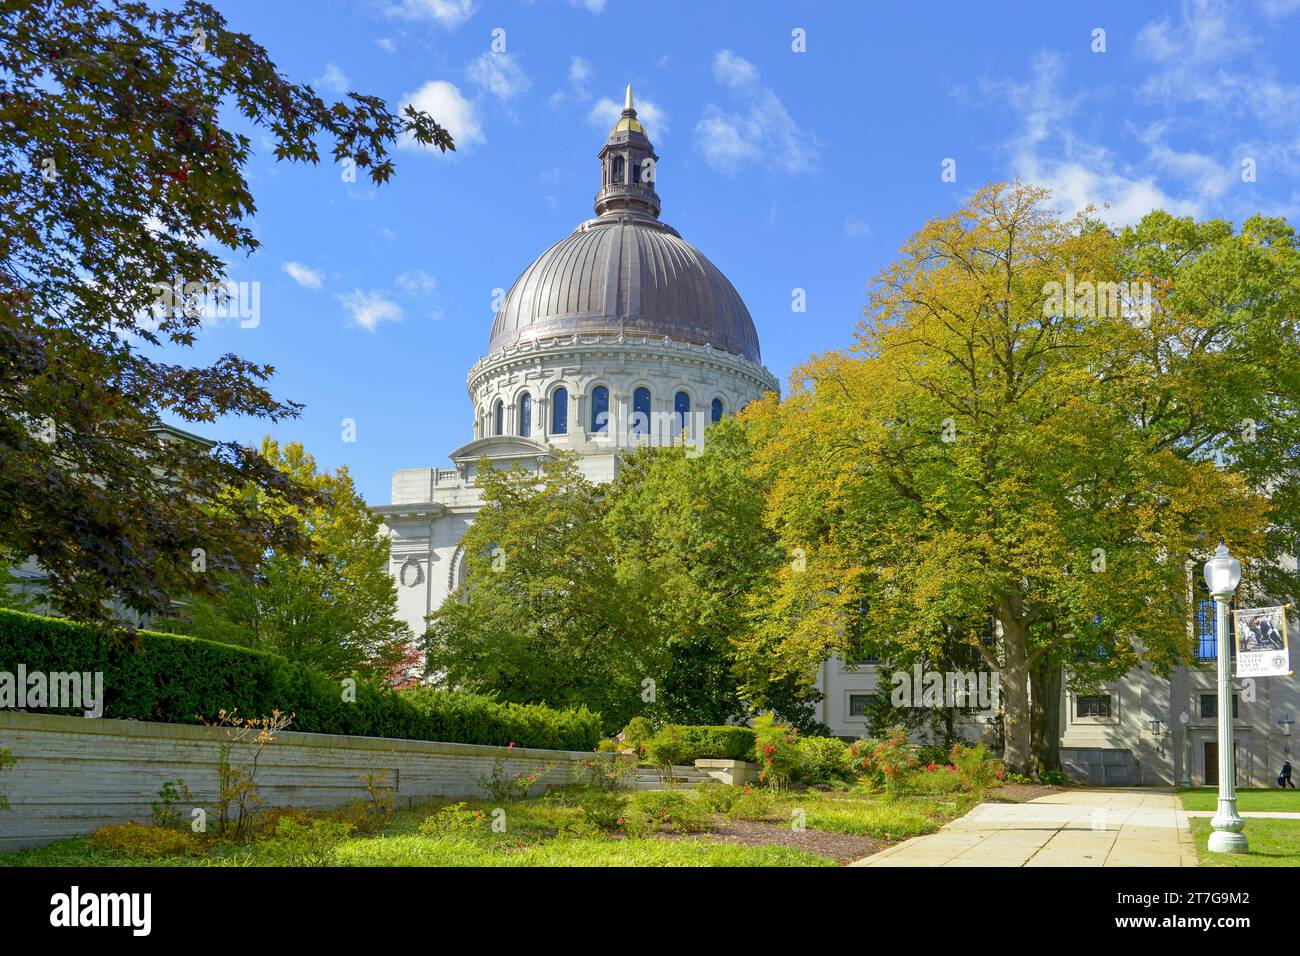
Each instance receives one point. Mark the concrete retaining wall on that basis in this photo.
(74, 775)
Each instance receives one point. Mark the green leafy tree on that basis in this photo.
(333, 605)
(688, 543)
(117, 179)
(988, 449)
(542, 618)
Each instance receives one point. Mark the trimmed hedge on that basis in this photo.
(702, 742)
(175, 679)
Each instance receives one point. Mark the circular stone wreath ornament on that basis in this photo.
(412, 573)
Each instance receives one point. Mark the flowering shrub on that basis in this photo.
(891, 760)
(776, 747)
(502, 787)
(934, 778)
(605, 774)
(976, 768)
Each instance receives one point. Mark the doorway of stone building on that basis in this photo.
(1212, 763)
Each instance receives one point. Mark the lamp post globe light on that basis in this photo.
(1222, 575)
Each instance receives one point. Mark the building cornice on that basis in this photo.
(581, 347)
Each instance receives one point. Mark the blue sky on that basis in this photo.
(788, 169)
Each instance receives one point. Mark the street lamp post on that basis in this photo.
(1285, 723)
(1222, 575)
(1185, 718)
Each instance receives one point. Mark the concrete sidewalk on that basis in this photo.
(1110, 827)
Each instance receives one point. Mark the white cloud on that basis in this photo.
(386, 44)
(855, 227)
(1080, 171)
(759, 126)
(579, 73)
(305, 276)
(448, 13)
(734, 72)
(368, 309)
(1193, 62)
(333, 80)
(605, 112)
(591, 6)
(416, 282)
(444, 102)
(500, 74)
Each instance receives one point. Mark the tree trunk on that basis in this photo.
(1015, 691)
(1045, 708)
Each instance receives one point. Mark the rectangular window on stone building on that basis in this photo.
(859, 704)
(1094, 706)
(1210, 706)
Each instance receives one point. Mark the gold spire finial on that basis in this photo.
(627, 105)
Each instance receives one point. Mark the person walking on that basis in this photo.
(1284, 778)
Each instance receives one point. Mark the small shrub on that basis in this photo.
(975, 768)
(379, 790)
(654, 810)
(166, 811)
(357, 814)
(458, 818)
(776, 747)
(605, 774)
(503, 787)
(860, 759)
(753, 804)
(666, 748)
(892, 759)
(270, 819)
(1053, 778)
(718, 797)
(149, 842)
(1013, 777)
(604, 810)
(6, 761)
(934, 778)
(637, 734)
(315, 843)
(824, 759)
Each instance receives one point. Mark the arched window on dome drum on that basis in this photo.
(636, 172)
(681, 412)
(600, 409)
(641, 411)
(560, 412)
(618, 169)
(499, 418)
(525, 414)
(717, 410)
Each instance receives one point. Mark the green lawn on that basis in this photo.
(552, 831)
(1272, 843)
(1276, 799)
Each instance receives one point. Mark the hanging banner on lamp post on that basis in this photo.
(1262, 645)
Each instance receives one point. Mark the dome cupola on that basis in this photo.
(627, 167)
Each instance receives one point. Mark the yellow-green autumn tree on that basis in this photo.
(1003, 442)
